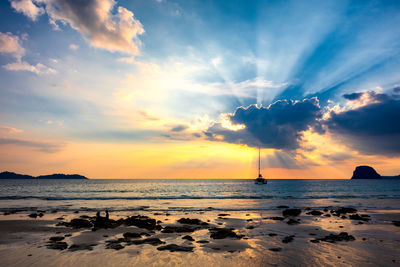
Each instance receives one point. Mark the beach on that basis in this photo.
(198, 223)
(260, 239)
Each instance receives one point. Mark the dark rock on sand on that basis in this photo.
(179, 229)
(345, 210)
(292, 222)
(282, 207)
(221, 233)
(223, 214)
(174, 247)
(77, 223)
(314, 213)
(142, 222)
(275, 249)
(365, 172)
(203, 241)
(151, 241)
(332, 238)
(396, 223)
(56, 238)
(291, 212)
(191, 221)
(288, 239)
(276, 218)
(272, 234)
(358, 217)
(131, 235)
(115, 246)
(76, 247)
(57, 245)
(33, 215)
(188, 237)
(250, 227)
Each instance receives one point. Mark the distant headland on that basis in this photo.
(367, 172)
(13, 175)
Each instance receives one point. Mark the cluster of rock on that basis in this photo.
(186, 225)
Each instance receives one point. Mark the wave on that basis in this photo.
(59, 198)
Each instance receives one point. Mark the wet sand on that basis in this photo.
(249, 239)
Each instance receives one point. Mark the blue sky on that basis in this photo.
(136, 71)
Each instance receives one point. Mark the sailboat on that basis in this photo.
(260, 179)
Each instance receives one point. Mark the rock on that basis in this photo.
(115, 246)
(396, 223)
(332, 238)
(346, 210)
(275, 249)
(174, 247)
(33, 215)
(40, 214)
(291, 212)
(288, 239)
(188, 237)
(223, 214)
(57, 245)
(276, 218)
(56, 238)
(131, 235)
(250, 227)
(327, 215)
(151, 241)
(358, 217)
(315, 213)
(292, 222)
(282, 207)
(67, 235)
(272, 234)
(179, 229)
(77, 223)
(203, 241)
(221, 233)
(191, 221)
(365, 172)
(76, 247)
(142, 222)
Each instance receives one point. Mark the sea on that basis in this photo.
(186, 195)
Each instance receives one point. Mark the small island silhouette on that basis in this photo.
(13, 175)
(367, 172)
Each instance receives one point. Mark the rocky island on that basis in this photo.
(12, 175)
(367, 172)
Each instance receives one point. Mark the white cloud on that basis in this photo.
(73, 47)
(10, 44)
(25, 66)
(128, 60)
(95, 20)
(28, 8)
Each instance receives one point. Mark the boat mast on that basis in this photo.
(259, 161)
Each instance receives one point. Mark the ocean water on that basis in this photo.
(194, 195)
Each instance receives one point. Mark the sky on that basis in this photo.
(192, 89)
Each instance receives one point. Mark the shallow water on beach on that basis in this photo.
(127, 195)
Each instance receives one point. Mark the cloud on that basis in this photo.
(25, 66)
(278, 126)
(372, 128)
(179, 128)
(46, 147)
(73, 47)
(127, 60)
(28, 8)
(10, 44)
(5, 130)
(95, 20)
(286, 160)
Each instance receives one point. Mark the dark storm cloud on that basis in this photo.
(352, 96)
(371, 129)
(276, 126)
